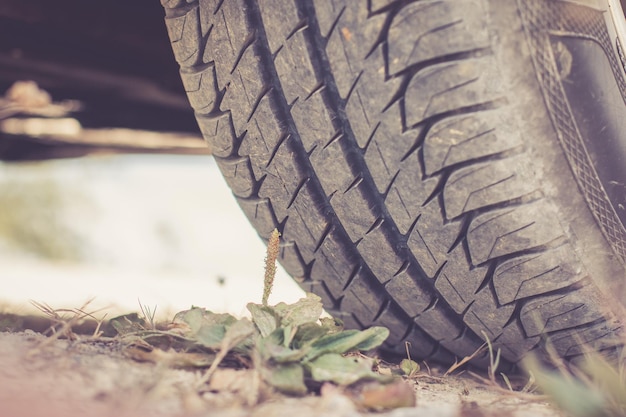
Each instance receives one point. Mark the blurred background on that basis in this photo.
(107, 191)
(161, 229)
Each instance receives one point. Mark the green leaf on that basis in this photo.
(375, 337)
(237, 333)
(273, 349)
(196, 318)
(348, 340)
(210, 336)
(308, 333)
(219, 336)
(305, 310)
(409, 367)
(332, 324)
(289, 333)
(264, 317)
(288, 378)
(128, 323)
(340, 369)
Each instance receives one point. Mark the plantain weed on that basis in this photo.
(289, 348)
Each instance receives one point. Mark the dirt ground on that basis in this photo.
(40, 376)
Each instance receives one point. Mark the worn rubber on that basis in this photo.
(408, 155)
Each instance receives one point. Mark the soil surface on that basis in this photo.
(49, 377)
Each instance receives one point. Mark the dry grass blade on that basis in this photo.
(148, 314)
(457, 364)
(66, 324)
(491, 380)
(494, 361)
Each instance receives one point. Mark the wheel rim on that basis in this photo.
(616, 10)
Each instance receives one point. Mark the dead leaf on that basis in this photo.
(340, 369)
(286, 378)
(170, 357)
(346, 33)
(376, 396)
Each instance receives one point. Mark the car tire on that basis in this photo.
(434, 167)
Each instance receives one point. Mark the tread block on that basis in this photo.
(230, 34)
(349, 42)
(218, 132)
(431, 239)
(388, 147)
(397, 327)
(458, 139)
(428, 29)
(362, 300)
(294, 68)
(334, 264)
(201, 89)
(306, 223)
(349, 320)
(207, 20)
(420, 343)
(282, 18)
(327, 12)
(319, 288)
(484, 314)
(603, 335)
(244, 90)
(402, 287)
(370, 95)
(488, 183)
(547, 314)
(386, 263)
(283, 179)
(238, 175)
(450, 86)
(509, 230)
(438, 324)
(262, 137)
(463, 346)
(313, 121)
(329, 163)
(289, 257)
(183, 32)
(376, 5)
(259, 212)
(407, 194)
(514, 343)
(457, 282)
(354, 209)
(535, 274)
(172, 4)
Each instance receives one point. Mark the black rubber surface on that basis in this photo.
(405, 152)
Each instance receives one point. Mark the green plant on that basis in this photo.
(594, 387)
(290, 347)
